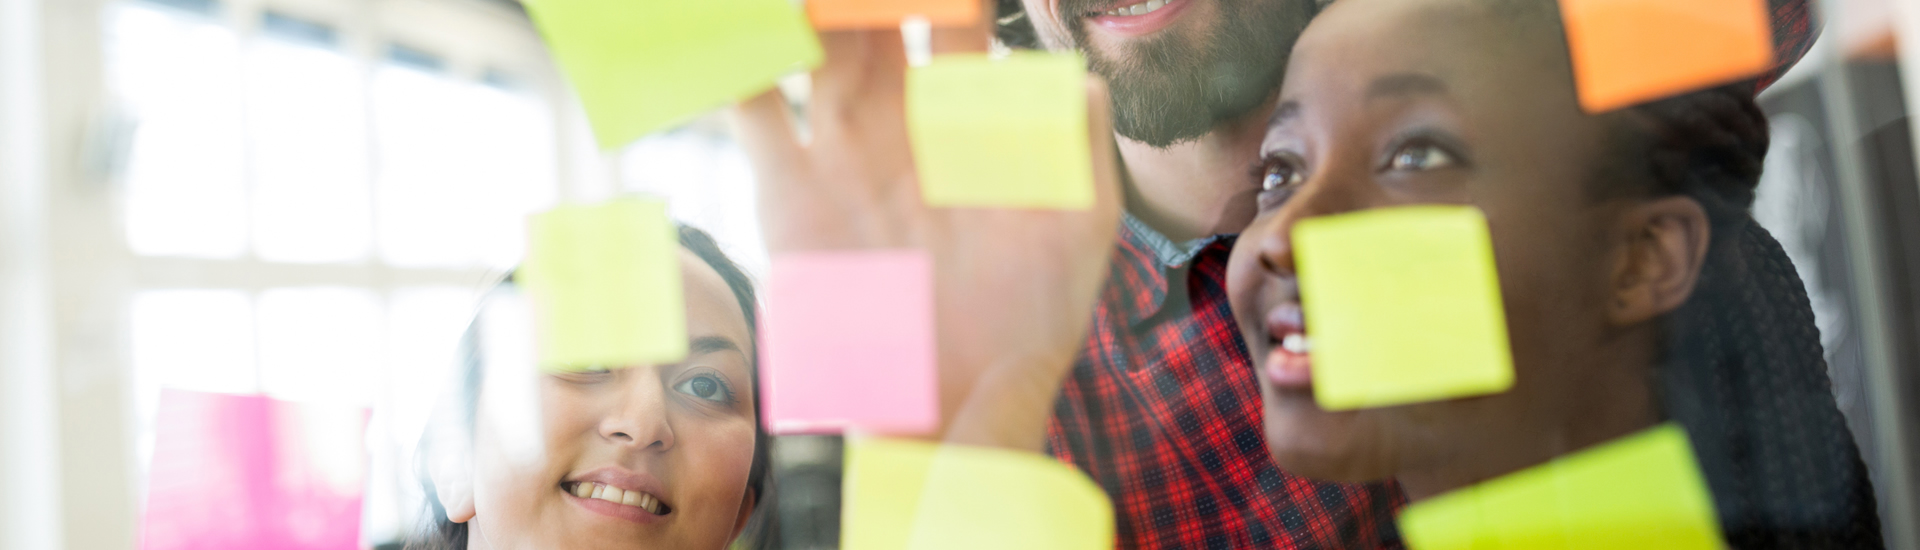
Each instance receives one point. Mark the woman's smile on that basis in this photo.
(620, 493)
(1288, 365)
(631, 505)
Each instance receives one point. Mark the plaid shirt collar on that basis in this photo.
(1149, 248)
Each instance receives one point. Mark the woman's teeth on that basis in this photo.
(1138, 9)
(1296, 343)
(617, 496)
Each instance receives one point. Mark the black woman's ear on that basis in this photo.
(1662, 244)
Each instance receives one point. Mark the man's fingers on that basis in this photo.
(765, 130)
(865, 77)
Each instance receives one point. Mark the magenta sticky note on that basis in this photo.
(241, 471)
(848, 343)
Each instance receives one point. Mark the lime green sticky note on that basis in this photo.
(1006, 133)
(605, 284)
(927, 496)
(640, 66)
(1402, 305)
(1642, 491)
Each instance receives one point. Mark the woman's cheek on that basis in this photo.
(731, 450)
(723, 458)
(565, 413)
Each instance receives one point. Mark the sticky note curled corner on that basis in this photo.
(1001, 133)
(926, 496)
(849, 343)
(858, 14)
(1402, 305)
(1632, 51)
(604, 280)
(1641, 491)
(643, 66)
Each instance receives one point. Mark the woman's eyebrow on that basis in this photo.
(1403, 84)
(711, 344)
(1284, 113)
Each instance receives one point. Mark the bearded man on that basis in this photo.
(1162, 407)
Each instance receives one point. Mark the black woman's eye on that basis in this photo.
(1280, 172)
(1419, 156)
(1279, 175)
(705, 387)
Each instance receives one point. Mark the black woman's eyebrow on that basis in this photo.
(711, 344)
(1285, 113)
(1402, 84)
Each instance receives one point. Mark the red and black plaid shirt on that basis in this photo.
(1163, 410)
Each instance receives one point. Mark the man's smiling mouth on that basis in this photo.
(1142, 8)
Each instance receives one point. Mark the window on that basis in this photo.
(314, 217)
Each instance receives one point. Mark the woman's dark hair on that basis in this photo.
(441, 533)
(1744, 370)
(1742, 367)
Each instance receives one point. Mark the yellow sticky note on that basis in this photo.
(1632, 51)
(1639, 492)
(640, 66)
(1402, 305)
(927, 496)
(605, 284)
(1008, 133)
(855, 14)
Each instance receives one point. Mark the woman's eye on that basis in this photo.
(1279, 173)
(582, 374)
(705, 387)
(1421, 156)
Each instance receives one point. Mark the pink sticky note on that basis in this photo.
(234, 471)
(848, 343)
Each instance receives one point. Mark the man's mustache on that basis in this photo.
(1075, 10)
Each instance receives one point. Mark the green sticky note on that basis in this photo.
(605, 284)
(1639, 492)
(640, 66)
(1006, 133)
(1402, 305)
(927, 496)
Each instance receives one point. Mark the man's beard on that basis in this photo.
(1173, 89)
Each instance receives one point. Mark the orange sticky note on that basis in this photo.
(863, 14)
(1632, 51)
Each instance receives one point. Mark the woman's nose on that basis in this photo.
(639, 419)
(1325, 194)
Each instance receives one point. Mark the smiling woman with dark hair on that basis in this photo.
(639, 456)
(1637, 287)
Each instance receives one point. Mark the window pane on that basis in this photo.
(708, 184)
(179, 76)
(198, 340)
(518, 168)
(319, 344)
(425, 215)
(308, 123)
(460, 165)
